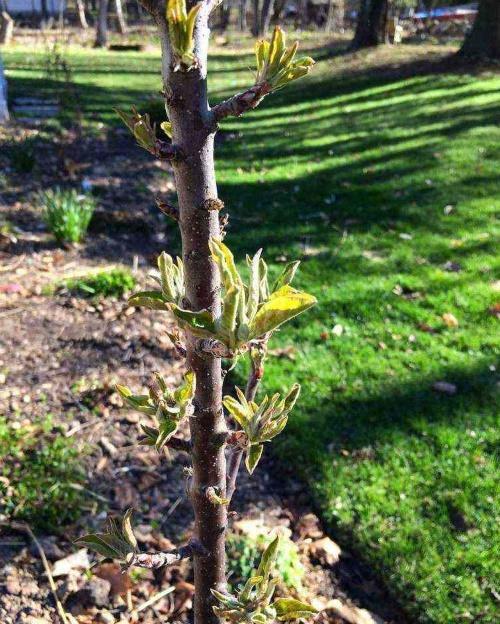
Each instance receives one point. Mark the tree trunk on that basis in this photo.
(335, 16)
(265, 18)
(193, 132)
(101, 40)
(484, 38)
(122, 22)
(80, 10)
(371, 25)
(256, 18)
(242, 18)
(4, 111)
(6, 27)
(303, 17)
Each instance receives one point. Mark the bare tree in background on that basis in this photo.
(242, 18)
(4, 111)
(120, 17)
(262, 13)
(80, 11)
(484, 38)
(6, 24)
(265, 18)
(335, 16)
(372, 24)
(101, 39)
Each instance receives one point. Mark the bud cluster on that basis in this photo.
(276, 64)
(254, 603)
(168, 407)
(260, 423)
(181, 28)
(249, 311)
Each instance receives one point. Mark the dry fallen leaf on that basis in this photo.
(120, 582)
(449, 319)
(494, 310)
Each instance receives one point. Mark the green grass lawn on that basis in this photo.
(381, 179)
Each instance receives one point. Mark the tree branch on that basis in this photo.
(166, 151)
(178, 444)
(241, 102)
(168, 209)
(234, 463)
(153, 561)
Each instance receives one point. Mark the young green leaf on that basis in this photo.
(283, 305)
(292, 609)
(254, 453)
(151, 299)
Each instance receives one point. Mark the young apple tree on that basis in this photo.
(219, 317)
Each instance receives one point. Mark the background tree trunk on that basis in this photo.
(256, 18)
(80, 10)
(265, 18)
(101, 39)
(242, 18)
(4, 111)
(193, 132)
(335, 16)
(120, 17)
(6, 26)
(484, 38)
(371, 25)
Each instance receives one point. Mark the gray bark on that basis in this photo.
(265, 18)
(80, 10)
(371, 26)
(101, 40)
(484, 38)
(6, 26)
(335, 18)
(243, 7)
(4, 111)
(120, 17)
(256, 18)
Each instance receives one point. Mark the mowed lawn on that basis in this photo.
(382, 172)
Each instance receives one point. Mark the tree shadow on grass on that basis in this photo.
(412, 408)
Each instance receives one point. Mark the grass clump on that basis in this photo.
(244, 552)
(40, 474)
(114, 283)
(66, 213)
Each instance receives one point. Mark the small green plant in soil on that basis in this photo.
(244, 552)
(40, 474)
(66, 213)
(114, 283)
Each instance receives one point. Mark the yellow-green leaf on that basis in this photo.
(254, 453)
(127, 531)
(152, 299)
(200, 323)
(283, 305)
(292, 609)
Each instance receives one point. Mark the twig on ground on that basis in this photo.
(154, 599)
(25, 528)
